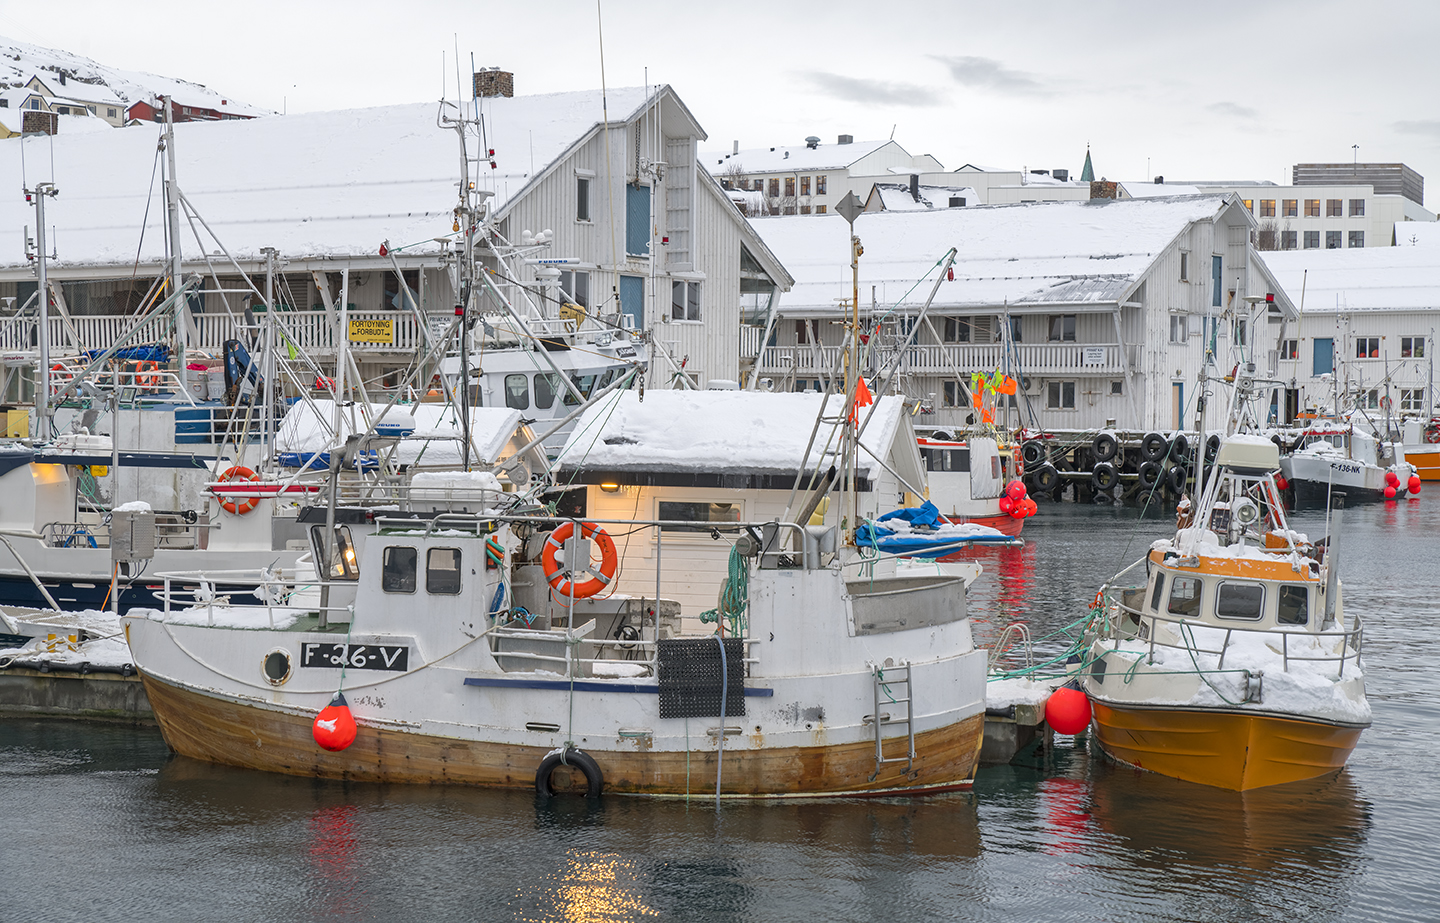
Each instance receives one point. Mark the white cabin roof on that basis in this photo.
(1363, 279)
(791, 157)
(308, 427)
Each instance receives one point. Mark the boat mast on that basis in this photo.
(42, 394)
(172, 207)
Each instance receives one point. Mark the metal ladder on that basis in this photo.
(900, 677)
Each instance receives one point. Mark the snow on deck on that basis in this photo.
(436, 429)
(1076, 252)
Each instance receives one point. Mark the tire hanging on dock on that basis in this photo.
(1047, 478)
(1105, 447)
(1153, 447)
(1180, 449)
(1176, 477)
(1033, 453)
(1150, 474)
(1104, 477)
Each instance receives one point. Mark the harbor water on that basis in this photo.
(102, 823)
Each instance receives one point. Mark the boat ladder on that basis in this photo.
(887, 686)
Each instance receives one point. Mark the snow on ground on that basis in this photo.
(106, 646)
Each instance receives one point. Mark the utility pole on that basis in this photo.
(42, 393)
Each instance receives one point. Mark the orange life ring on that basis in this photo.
(239, 507)
(58, 370)
(608, 561)
(147, 375)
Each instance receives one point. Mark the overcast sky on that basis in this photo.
(1225, 89)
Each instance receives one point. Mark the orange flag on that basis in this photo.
(862, 398)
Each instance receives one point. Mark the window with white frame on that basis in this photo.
(1412, 347)
(1412, 400)
(1367, 347)
(1060, 395)
(957, 330)
(684, 300)
(701, 516)
(1178, 328)
(576, 286)
(1062, 328)
(954, 395)
(582, 198)
(1117, 387)
(1371, 399)
(1289, 349)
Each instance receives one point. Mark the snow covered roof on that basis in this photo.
(1037, 253)
(794, 157)
(1417, 234)
(714, 432)
(897, 197)
(1154, 190)
(1363, 279)
(435, 441)
(313, 185)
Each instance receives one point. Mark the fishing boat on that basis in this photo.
(1422, 448)
(1234, 664)
(969, 482)
(1332, 455)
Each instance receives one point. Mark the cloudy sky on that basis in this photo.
(1227, 89)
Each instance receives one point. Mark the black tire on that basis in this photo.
(1180, 449)
(1033, 452)
(1150, 473)
(1101, 498)
(1153, 447)
(1212, 449)
(940, 436)
(1104, 477)
(594, 781)
(1047, 478)
(1105, 447)
(1176, 478)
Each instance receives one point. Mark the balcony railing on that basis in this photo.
(921, 359)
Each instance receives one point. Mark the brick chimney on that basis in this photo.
(492, 81)
(1100, 189)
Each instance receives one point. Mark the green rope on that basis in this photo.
(735, 598)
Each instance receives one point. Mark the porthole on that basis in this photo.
(276, 667)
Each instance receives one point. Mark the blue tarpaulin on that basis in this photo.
(926, 532)
(154, 352)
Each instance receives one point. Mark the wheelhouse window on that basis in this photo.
(946, 459)
(672, 513)
(546, 387)
(397, 569)
(1159, 593)
(517, 391)
(1185, 596)
(335, 554)
(1235, 600)
(1294, 605)
(442, 571)
(583, 384)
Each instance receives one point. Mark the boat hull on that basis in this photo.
(222, 730)
(1003, 523)
(1425, 460)
(1232, 750)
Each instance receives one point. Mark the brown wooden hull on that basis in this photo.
(222, 731)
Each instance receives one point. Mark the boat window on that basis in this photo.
(1294, 605)
(605, 379)
(1159, 591)
(946, 459)
(1239, 600)
(546, 387)
(397, 570)
(583, 383)
(1185, 596)
(335, 557)
(688, 512)
(517, 391)
(442, 571)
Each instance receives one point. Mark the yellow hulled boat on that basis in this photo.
(1234, 664)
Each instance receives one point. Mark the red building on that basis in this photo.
(153, 110)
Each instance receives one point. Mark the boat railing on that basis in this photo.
(1013, 633)
(1351, 639)
(277, 588)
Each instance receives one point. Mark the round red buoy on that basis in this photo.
(1006, 504)
(1067, 711)
(1413, 485)
(1390, 491)
(1281, 483)
(335, 727)
(1031, 507)
(1015, 489)
(1392, 479)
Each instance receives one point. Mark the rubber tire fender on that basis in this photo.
(1176, 478)
(1212, 449)
(1047, 478)
(1180, 449)
(1150, 474)
(1032, 452)
(1153, 447)
(1104, 477)
(594, 780)
(1105, 447)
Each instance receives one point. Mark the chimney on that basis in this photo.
(1100, 189)
(812, 142)
(1159, 180)
(915, 186)
(1062, 175)
(737, 148)
(61, 75)
(846, 139)
(492, 81)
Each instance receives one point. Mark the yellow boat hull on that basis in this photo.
(1426, 461)
(1231, 750)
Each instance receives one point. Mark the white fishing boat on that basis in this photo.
(1340, 456)
(1235, 664)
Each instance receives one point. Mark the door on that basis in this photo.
(637, 220)
(632, 299)
(1177, 404)
(1292, 405)
(1324, 362)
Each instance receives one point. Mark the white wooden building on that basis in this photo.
(1103, 310)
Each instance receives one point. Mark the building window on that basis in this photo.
(1216, 275)
(1288, 208)
(1312, 240)
(1117, 388)
(957, 330)
(1267, 208)
(788, 210)
(774, 188)
(1250, 206)
(1289, 349)
(804, 185)
(582, 198)
(954, 395)
(1357, 239)
(804, 334)
(1239, 328)
(1367, 347)
(804, 209)
(1332, 240)
(820, 185)
(1412, 400)
(1412, 347)
(1178, 328)
(1312, 208)
(684, 300)
(790, 186)
(1062, 328)
(1184, 266)
(673, 511)
(1357, 208)
(1334, 208)
(1060, 395)
(576, 286)
(1289, 240)
(1372, 399)
(821, 209)
(1015, 336)
(110, 113)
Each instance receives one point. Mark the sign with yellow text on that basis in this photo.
(372, 330)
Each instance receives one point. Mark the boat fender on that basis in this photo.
(1153, 447)
(1047, 478)
(239, 507)
(1033, 452)
(609, 560)
(1175, 477)
(1180, 449)
(1104, 477)
(1150, 474)
(1105, 447)
(571, 756)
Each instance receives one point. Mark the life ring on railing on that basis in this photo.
(608, 561)
(239, 507)
(56, 371)
(1432, 434)
(147, 375)
(1099, 602)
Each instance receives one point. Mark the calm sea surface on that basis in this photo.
(101, 823)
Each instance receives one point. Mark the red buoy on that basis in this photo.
(1067, 711)
(1006, 504)
(1392, 479)
(1031, 507)
(1413, 485)
(1390, 491)
(1015, 489)
(334, 727)
(1281, 483)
